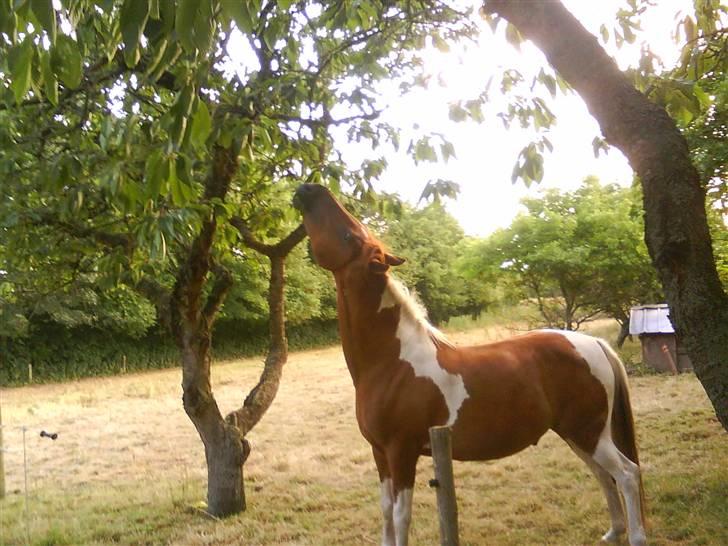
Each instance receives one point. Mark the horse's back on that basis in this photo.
(520, 387)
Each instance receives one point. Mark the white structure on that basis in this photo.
(660, 347)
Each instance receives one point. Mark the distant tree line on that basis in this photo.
(570, 256)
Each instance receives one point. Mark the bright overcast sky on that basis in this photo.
(486, 153)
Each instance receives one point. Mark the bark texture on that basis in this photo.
(192, 316)
(261, 396)
(676, 229)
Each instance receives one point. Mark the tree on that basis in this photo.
(138, 150)
(431, 241)
(676, 228)
(577, 254)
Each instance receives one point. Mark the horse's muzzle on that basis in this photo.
(306, 194)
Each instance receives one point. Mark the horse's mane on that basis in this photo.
(411, 308)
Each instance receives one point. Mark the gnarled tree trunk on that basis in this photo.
(676, 229)
(223, 438)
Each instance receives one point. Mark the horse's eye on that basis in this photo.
(347, 236)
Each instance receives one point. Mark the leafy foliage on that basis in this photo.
(686, 90)
(59, 353)
(432, 242)
(111, 114)
(574, 254)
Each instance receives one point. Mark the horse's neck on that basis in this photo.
(373, 321)
(359, 327)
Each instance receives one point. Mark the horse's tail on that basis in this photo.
(623, 429)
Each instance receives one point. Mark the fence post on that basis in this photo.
(444, 484)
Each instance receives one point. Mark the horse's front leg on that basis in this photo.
(387, 498)
(402, 464)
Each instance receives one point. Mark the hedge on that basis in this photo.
(59, 354)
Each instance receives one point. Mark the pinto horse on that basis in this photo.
(497, 398)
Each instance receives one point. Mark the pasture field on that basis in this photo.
(128, 468)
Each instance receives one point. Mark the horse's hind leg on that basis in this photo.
(614, 503)
(626, 474)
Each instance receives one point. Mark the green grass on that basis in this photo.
(128, 469)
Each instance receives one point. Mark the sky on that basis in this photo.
(487, 152)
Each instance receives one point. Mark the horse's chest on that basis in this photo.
(398, 405)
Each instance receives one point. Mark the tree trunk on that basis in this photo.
(225, 447)
(191, 321)
(623, 322)
(225, 457)
(676, 229)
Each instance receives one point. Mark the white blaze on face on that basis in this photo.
(418, 348)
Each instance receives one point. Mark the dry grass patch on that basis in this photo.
(128, 468)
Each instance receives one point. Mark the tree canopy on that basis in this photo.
(575, 254)
(433, 243)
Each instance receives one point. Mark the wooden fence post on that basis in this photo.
(444, 485)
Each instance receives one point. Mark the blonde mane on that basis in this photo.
(396, 293)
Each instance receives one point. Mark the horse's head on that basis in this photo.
(338, 239)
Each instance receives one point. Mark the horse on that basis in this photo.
(498, 398)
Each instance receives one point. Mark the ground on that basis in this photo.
(128, 467)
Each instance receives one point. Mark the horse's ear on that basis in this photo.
(379, 265)
(393, 260)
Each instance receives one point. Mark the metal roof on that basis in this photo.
(650, 319)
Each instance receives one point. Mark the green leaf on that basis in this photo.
(238, 11)
(185, 23)
(46, 15)
(8, 20)
(133, 18)
(155, 173)
(175, 183)
(457, 113)
(201, 125)
(270, 36)
(20, 62)
(605, 33)
(66, 61)
(513, 36)
(440, 44)
(423, 151)
(204, 25)
(50, 82)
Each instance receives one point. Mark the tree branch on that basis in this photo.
(282, 248)
(222, 285)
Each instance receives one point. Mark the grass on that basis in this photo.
(128, 468)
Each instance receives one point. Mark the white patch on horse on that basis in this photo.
(418, 341)
(402, 513)
(591, 350)
(387, 504)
